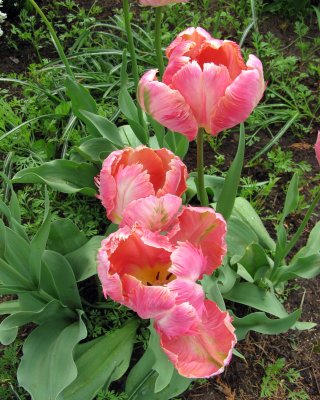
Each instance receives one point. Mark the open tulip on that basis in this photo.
(131, 174)
(143, 271)
(159, 3)
(206, 84)
(317, 148)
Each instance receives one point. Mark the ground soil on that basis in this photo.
(301, 349)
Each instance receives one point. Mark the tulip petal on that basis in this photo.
(188, 291)
(240, 99)
(188, 262)
(180, 320)
(166, 106)
(153, 213)
(194, 35)
(132, 183)
(207, 353)
(206, 230)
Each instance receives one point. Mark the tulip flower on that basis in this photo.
(131, 174)
(317, 148)
(206, 84)
(145, 272)
(159, 3)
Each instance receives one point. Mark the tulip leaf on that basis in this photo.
(259, 322)
(292, 197)
(49, 350)
(313, 243)
(303, 267)
(95, 149)
(177, 143)
(253, 259)
(65, 236)
(80, 97)
(239, 237)
(243, 210)
(253, 296)
(63, 175)
(9, 307)
(128, 136)
(228, 195)
(83, 260)
(101, 361)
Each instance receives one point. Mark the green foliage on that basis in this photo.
(279, 379)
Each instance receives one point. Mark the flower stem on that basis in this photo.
(157, 41)
(55, 38)
(202, 194)
(134, 65)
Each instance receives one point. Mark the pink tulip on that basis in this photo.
(201, 227)
(317, 148)
(131, 174)
(159, 3)
(206, 85)
(145, 272)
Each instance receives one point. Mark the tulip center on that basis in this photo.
(157, 275)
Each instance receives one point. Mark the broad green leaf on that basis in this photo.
(80, 97)
(177, 143)
(47, 366)
(11, 276)
(83, 260)
(128, 136)
(10, 325)
(292, 197)
(95, 149)
(253, 296)
(65, 236)
(63, 284)
(313, 243)
(226, 279)
(212, 291)
(63, 175)
(13, 224)
(102, 127)
(244, 211)
(228, 195)
(253, 259)
(9, 307)
(101, 361)
(259, 322)
(239, 237)
(212, 183)
(303, 267)
(159, 131)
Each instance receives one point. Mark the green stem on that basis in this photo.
(157, 41)
(202, 194)
(297, 235)
(55, 38)
(134, 65)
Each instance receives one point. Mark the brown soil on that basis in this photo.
(242, 379)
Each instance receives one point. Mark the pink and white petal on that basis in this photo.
(107, 191)
(204, 229)
(207, 353)
(240, 99)
(255, 63)
(174, 65)
(147, 301)
(182, 319)
(196, 35)
(188, 262)
(166, 106)
(153, 213)
(132, 183)
(317, 148)
(187, 291)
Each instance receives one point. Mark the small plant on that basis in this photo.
(281, 380)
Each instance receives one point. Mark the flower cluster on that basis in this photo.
(206, 85)
(160, 251)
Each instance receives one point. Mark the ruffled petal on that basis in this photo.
(207, 353)
(131, 183)
(153, 213)
(107, 191)
(240, 99)
(195, 35)
(187, 291)
(205, 229)
(166, 106)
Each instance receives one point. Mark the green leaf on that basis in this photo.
(226, 279)
(177, 143)
(63, 284)
(259, 322)
(9, 307)
(95, 149)
(101, 126)
(63, 175)
(65, 236)
(84, 260)
(212, 291)
(228, 195)
(313, 243)
(253, 259)
(239, 237)
(47, 366)
(244, 211)
(292, 197)
(101, 361)
(255, 297)
(80, 97)
(128, 136)
(303, 267)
